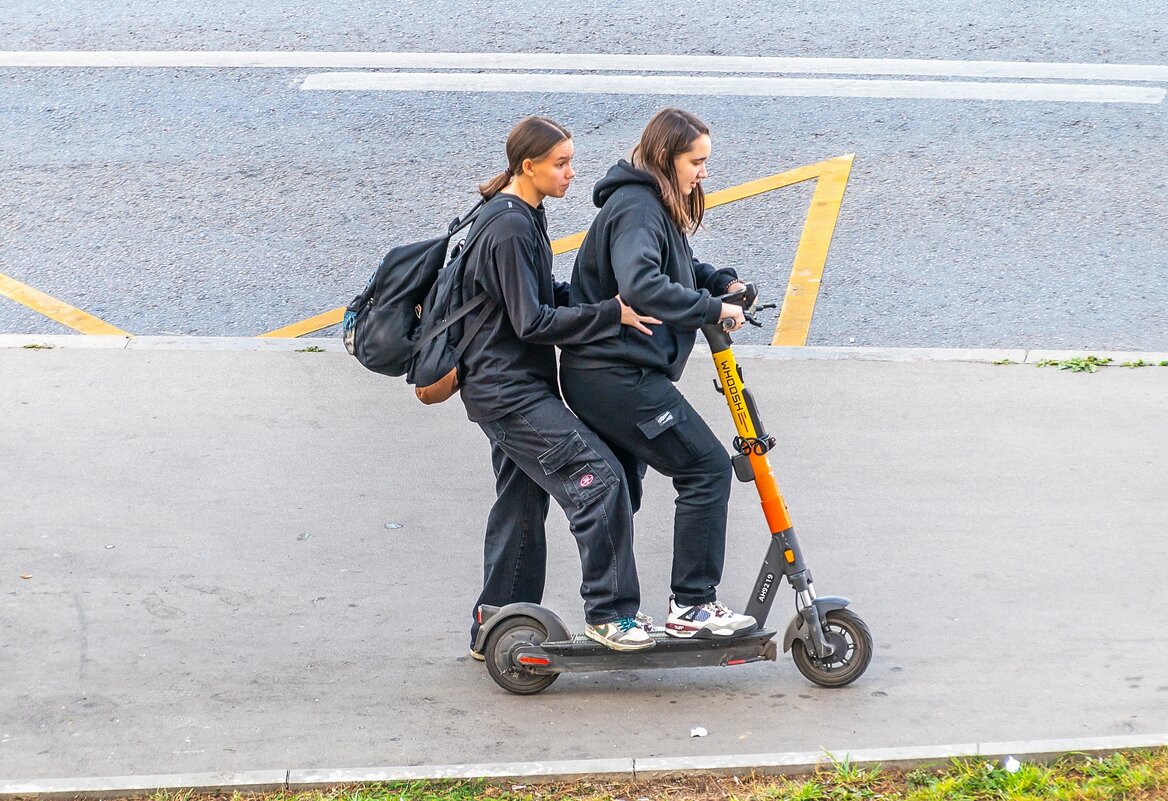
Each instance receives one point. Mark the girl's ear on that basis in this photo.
(527, 168)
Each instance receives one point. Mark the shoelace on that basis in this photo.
(720, 609)
(626, 623)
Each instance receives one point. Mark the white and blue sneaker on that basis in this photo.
(713, 619)
(646, 622)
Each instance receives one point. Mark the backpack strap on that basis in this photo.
(458, 223)
(477, 300)
(463, 311)
(474, 327)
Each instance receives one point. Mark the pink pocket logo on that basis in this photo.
(587, 479)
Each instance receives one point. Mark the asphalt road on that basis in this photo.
(1125, 31)
(232, 202)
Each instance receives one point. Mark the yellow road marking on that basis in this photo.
(810, 258)
(567, 244)
(752, 188)
(55, 309)
(308, 326)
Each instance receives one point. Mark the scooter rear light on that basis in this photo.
(736, 662)
(538, 661)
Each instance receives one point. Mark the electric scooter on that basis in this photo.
(527, 646)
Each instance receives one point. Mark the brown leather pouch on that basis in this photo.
(440, 390)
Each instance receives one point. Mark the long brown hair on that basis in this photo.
(531, 138)
(670, 133)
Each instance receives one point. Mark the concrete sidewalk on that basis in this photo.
(201, 568)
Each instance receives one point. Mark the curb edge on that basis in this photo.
(784, 763)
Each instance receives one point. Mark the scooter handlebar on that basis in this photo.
(743, 297)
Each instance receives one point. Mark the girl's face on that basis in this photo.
(690, 166)
(552, 174)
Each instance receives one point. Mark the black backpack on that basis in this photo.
(409, 318)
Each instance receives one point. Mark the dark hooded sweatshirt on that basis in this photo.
(635, 249)
(512, 359)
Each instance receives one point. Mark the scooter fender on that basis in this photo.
(550, 620)
(797, 631)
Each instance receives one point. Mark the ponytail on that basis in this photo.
(497, 184)
(531, 138)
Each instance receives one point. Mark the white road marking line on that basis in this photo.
(752, 87)
(599, 62)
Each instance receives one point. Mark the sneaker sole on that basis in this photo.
(709, 634)
(476, 656)
(618, 646)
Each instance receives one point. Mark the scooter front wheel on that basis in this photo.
(520, 630)
(852, 641)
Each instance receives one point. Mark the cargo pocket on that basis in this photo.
(583, 472)
(662, 420)
(665, 426)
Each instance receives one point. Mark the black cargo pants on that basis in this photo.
(543, 450)
(646, 420)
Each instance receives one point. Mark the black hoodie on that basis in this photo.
(511, 360)
(635, 249)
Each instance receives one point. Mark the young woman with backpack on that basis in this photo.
(508, 383)
(622, 385)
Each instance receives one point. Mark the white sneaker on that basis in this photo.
(624, 634)
(713, 619)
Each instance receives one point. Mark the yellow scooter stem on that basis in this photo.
(742, 411)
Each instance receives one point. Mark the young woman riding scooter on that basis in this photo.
(508, 386)
(623, 386)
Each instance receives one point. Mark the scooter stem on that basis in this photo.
(784, 556)
(749, 427)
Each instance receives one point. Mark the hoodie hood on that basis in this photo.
(621, 174)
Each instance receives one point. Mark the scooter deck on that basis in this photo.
(582, 655)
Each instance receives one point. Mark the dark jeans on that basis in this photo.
(539, 451)
(647, 421)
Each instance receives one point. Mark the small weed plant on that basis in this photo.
(1082, 364)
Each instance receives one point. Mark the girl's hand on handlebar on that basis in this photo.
(733, 313)
(630, 318)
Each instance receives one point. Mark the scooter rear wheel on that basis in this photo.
(521, 630)
(849, 635)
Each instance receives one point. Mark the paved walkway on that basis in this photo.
(217, 559)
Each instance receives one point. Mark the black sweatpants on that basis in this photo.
(543, 450)
(646, 420)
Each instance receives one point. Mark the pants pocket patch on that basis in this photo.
(662, 420)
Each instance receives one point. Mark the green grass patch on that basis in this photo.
(311, 349)
(1127, 776)
(35, 346)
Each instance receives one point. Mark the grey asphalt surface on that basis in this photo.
(231, 202)
(1124, 31)
(213, 586)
